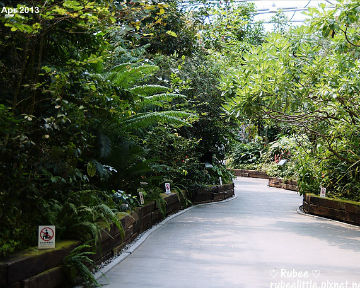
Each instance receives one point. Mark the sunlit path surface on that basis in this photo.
(256, 240)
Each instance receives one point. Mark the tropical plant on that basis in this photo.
(70, 109)
(246, 153)
(308, 79)
(77, 264)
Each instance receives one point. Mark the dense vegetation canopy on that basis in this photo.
(101, 100)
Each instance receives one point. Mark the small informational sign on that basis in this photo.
(46, 237)
(167, 188)
(220, 180)
(322, 191)
(208, 165)
(141, 195)
(282, 162)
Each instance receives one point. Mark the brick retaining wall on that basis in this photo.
(213, 193)
(336, 209)
(284, 184)
(273, 181)
(250, 173)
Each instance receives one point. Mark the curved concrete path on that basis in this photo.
(256, 240)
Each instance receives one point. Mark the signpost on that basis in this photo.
(220, 180)
(141, 195)
(167, 188)
(46, 237)
(322, 191)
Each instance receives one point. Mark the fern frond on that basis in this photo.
(162, 97)
(146, 90)
(87, 211)
(78, 249)
(161, 204)
(107, 214)
(90, 227)
(122, 67)
(159, 100)
(151, 118)
(127, 78)
(76, 266)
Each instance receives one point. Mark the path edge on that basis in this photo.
(301, 212)
(130, 248)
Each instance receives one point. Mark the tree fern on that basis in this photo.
(146, 90)
(146, 99)
(147, 119)
(122, 67)
(132, 75)
(160, 100)
(164, 97)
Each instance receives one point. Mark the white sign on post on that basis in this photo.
(322, 191)
(46, 237)
(167, 188)
(141, 195)
(220, 180)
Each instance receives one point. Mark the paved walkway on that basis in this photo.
(256, 240)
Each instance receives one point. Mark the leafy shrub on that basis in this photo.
(285, 148)
(308, 173)
(246, 153)
(321, 168)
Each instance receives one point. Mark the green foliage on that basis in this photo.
(77, 265)
(309, 173)
(8, 247)
(308, 79)
(87, 109)
(266, 156)
(162, 26)
(231, 26)
(70, 105)
(280, 22)
(285, 148)
(246, 153)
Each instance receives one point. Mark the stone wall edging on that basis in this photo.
(250, 173)
(38, 271)
(273, 181)
(332, 208)
(283, 184)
